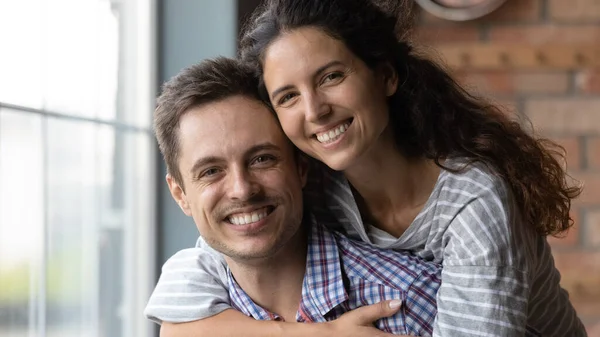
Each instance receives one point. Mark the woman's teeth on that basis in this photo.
(248, 218)
(333, 134)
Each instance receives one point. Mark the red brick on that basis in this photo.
(565, 116)
(580, 272)
(588, 81)
(546, 34)
(506, 104)
(516, 11)
(591, 188)
(572, 146)
(593, 228)
(508, 83)
(576, 11)
(571, 238)
(593, 153)
(509, 106)
(445, 34)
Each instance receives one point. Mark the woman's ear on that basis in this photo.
(389, 75)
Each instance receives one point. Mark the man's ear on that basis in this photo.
(390, 78)
(178, 194)
(303, 165)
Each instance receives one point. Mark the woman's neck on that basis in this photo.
(391, 189)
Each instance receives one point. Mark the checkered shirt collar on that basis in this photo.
(323, 286)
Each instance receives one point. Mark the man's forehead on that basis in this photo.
(230, 115)
(229, 126)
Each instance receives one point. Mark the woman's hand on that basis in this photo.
(231, 323)
(359, 322)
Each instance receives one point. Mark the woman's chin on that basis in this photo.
(337, 162)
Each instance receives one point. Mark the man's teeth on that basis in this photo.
(248, 218)
(333, 134)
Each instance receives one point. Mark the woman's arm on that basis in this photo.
(192, 286)
(230, 323)
(191, 300)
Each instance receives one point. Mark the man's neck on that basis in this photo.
(275, 282)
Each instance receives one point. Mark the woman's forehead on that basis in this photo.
(303, 49)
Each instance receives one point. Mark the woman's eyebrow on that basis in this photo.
(319, 71)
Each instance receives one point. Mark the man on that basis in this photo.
(232, 169)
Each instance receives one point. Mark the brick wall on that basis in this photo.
(563, 104)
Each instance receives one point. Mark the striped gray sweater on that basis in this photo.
(498, 276)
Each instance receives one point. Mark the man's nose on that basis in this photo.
(241, 185)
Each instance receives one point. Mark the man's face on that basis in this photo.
(243, 182)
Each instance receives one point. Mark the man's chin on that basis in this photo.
(253, 250)
(253, 256)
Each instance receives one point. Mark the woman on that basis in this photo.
(417, 164)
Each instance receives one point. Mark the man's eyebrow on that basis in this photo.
(204, 161)
(320, 70)
(261, 147)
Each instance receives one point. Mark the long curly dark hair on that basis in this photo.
(431, 115)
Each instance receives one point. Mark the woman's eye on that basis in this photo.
(286, 98)
(332, 76)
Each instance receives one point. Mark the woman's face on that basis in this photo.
(329, 102)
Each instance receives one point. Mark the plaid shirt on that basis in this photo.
(342, 274)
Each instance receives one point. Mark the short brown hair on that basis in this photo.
(205, 82)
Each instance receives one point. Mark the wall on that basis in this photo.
(562, 102)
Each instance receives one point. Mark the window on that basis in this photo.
(77, 186)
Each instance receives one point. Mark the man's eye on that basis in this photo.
(209, 172)
(263, 159)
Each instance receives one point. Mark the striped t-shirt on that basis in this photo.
(498, 275)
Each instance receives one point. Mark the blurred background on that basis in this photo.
(86, 220)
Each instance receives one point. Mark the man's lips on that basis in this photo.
(248, 216)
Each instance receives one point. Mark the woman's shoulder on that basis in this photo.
(473, 198)
(468, 180)
(481, 213)
(483, 201)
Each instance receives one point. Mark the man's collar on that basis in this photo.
(242, 302)
(323, 282)
(323, 286)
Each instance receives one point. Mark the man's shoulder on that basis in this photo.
(360, 259)
(374, 274)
